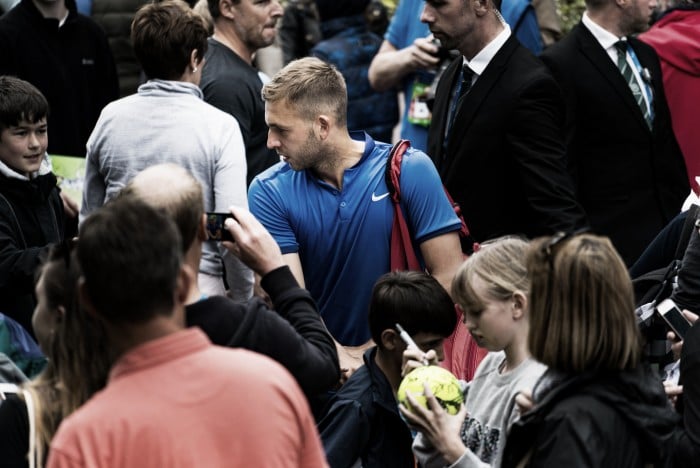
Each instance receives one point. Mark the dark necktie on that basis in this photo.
(464, 86)
(467, 78)
(631, 80)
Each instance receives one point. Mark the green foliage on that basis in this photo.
(570, 12)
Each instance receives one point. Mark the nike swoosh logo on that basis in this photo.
(380, 197)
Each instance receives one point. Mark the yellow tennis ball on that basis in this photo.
(441, 382)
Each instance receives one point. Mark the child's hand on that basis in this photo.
(524, 401)
(437, 425)
(413, 358)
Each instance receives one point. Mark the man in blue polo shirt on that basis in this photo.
(328, 206)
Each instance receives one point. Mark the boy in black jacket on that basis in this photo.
(362, 426)
(31, 210)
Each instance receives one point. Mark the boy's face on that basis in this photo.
(22, 147)
(427, 341)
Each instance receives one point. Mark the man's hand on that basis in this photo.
(252, 243)
(422, 54)
(390, 64)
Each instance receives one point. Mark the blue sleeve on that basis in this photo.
(428, 211)
(396, 33)
(344, 432)
(267, 205)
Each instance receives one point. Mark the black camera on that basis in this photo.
(216, 229)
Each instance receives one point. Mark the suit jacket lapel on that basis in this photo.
(599, 58)
(471, 102)
(443, 102)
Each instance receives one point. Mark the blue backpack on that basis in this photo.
(18, 345)
(350, 47)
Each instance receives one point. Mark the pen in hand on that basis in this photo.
(410, 343)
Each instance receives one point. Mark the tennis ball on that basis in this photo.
(441, 382)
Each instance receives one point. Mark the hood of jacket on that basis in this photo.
(676, 39)
(44, 169)
(35, 189)
(168, 88)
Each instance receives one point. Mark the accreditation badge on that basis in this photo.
(418, 110)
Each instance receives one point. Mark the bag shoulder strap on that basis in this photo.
(403, 255)
(393, 179)
(686, 231)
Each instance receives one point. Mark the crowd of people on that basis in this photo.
(131, 337)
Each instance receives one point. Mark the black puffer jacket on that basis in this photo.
(594, 420)
(31, 218)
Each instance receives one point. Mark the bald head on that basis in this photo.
(171, 188)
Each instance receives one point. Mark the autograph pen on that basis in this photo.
(409, 342)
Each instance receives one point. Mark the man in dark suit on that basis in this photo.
(627, 167)
(496, 136)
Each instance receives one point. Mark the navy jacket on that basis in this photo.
(363, 422)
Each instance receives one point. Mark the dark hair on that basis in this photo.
(131, 255)
(164, 35)
(20, 101)
(214, 10)
(78, 352)
(413, 299)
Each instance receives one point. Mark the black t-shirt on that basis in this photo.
(233, 86)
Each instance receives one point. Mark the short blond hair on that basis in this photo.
(500, 264)
(581, 306)
(311, 86)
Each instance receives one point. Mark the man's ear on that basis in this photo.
(227, 9)
(184, 283)
(194, 61)
(481, 7)
(390, 339)
(84, 298)
(202, 229)
(323, 126)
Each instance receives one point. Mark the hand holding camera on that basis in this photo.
(251, 242)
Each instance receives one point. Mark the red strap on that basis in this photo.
(462, 354)
(463, 230)
(403, 255)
